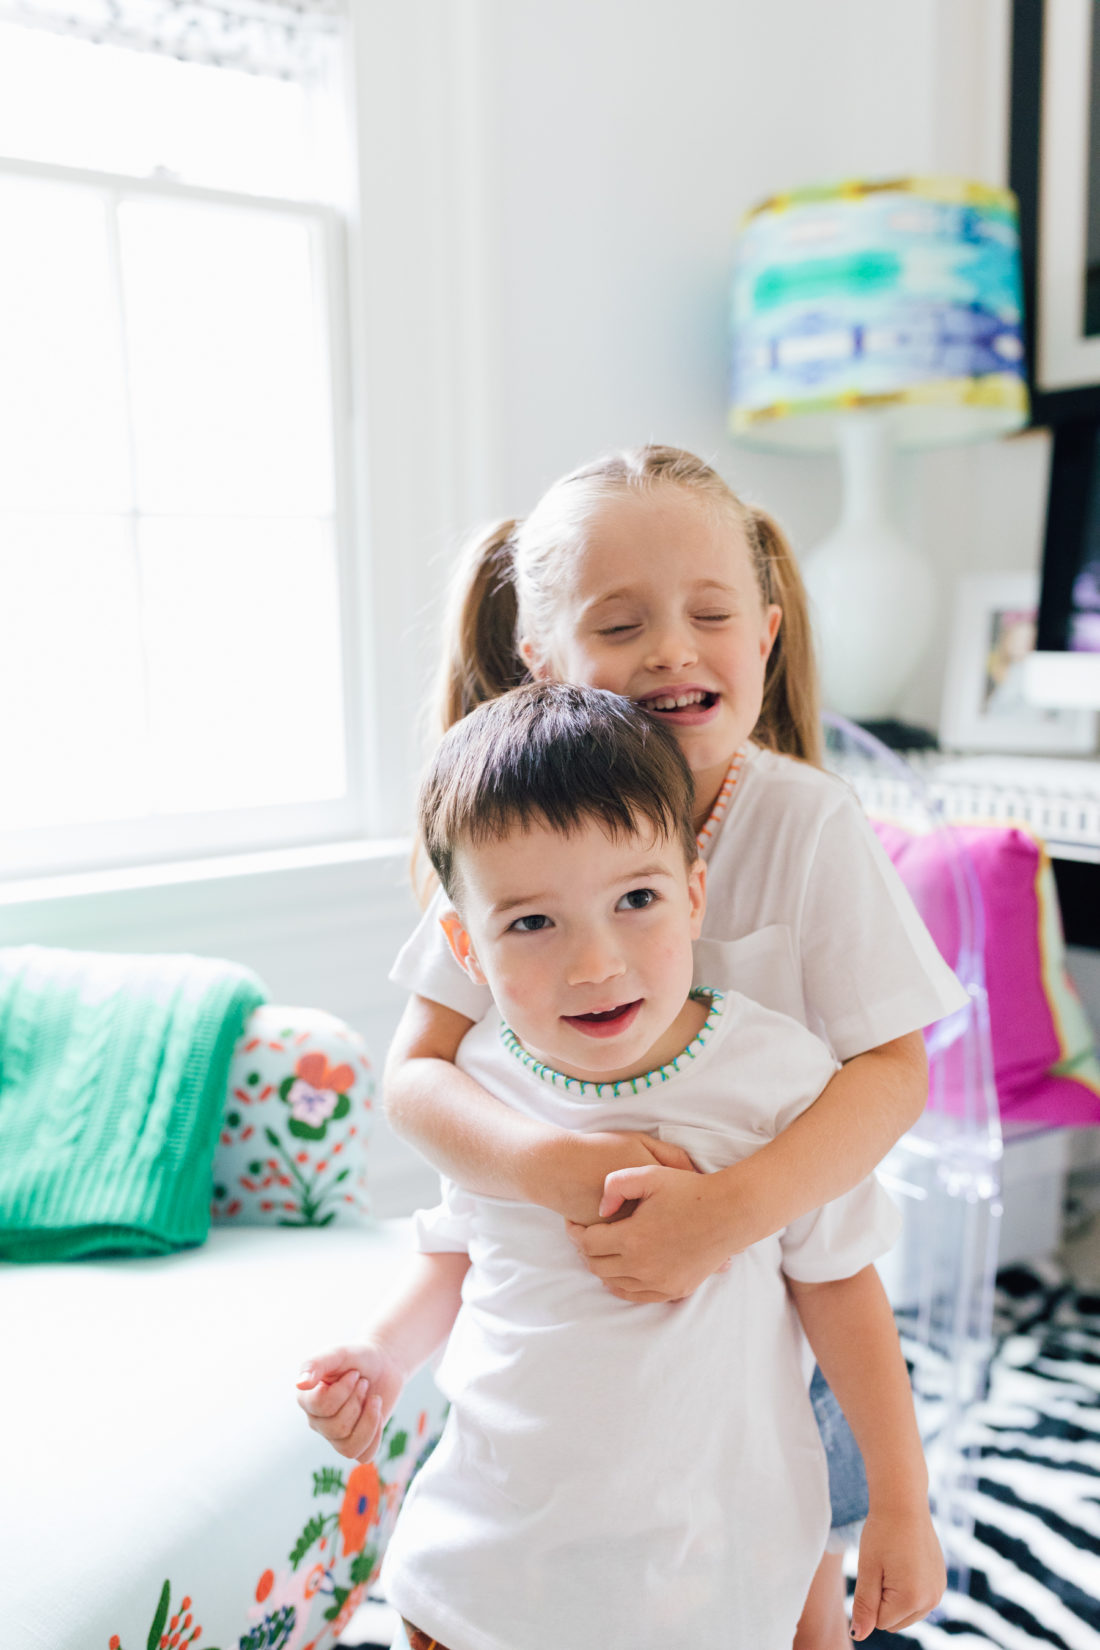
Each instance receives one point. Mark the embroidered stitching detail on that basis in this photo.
(600, 1091)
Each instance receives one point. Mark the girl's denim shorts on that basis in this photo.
(847, 1479)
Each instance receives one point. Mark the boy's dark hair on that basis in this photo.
(556, 755)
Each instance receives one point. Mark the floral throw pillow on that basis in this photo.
(292, 1150)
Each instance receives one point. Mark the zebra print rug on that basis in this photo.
(1035, 1556)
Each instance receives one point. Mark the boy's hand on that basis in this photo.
(901, 1572)
(673, 1241)
(348, 1395)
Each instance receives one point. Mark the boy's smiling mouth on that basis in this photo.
(607, 1022)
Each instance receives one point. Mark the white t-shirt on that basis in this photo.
(616, 1474)
(804, 913)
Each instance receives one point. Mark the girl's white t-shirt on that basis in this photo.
(805, 913)
(643, 1475)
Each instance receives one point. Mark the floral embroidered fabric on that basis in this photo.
(298, 1113)
(307, 1597)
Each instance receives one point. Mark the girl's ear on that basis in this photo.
(536, 664)
(462, 947)
(773, 618)
(697, 896)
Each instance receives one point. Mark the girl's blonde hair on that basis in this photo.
(509, 583)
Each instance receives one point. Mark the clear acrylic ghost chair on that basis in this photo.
(945, 1173)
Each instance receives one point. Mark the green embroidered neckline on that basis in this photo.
(625, 1085)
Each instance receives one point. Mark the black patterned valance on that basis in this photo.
(291, 39)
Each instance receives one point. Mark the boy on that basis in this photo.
(612, 1473)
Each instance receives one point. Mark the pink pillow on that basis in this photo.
(1044, 1061)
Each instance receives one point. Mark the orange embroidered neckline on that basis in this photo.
(721, 801)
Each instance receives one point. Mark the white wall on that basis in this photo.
(619, 141)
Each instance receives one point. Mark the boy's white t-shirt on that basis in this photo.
(805, 914)
(611, 1473)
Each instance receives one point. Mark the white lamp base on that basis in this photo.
(872, 595)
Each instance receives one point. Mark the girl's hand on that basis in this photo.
(348, 1395)
(573, 1169)
(674, 1240)
(901, 1572)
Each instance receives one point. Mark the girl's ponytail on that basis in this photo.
(480, 660)
(790, 716)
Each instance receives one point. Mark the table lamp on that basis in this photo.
(871, 315)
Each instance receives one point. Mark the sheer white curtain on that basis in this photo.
(289, 39)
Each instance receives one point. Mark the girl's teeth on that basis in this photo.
(667, 702)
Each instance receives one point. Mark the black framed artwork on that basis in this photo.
(1069, 607)
(1054, 168)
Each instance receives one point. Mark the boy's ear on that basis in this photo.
(697, 896)
(462, 947)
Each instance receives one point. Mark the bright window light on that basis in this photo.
(62, 391)
(73, 725)
(229, 400)
(244, 662)
(171, 655)
(113, 110)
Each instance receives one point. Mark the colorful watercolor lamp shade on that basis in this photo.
(871, 315)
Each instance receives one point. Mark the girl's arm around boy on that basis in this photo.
(684, 1226)
(477, 1140)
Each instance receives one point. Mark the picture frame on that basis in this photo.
(984, 708)
(1055, 59)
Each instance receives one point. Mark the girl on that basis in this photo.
(644, 574)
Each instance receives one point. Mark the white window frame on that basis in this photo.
(46, 850)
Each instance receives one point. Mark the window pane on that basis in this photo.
(115, 110)
(62, 429)
(227, 375)
(72, 699)
(244, 662)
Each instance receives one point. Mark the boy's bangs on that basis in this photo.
(498, 817)
(558, 755)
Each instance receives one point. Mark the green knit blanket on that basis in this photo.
(113, 1073)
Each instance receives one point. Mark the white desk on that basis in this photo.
(1057, 797)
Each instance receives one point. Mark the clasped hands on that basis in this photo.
(661, 1228)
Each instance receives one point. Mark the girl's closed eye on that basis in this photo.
(638, 899)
